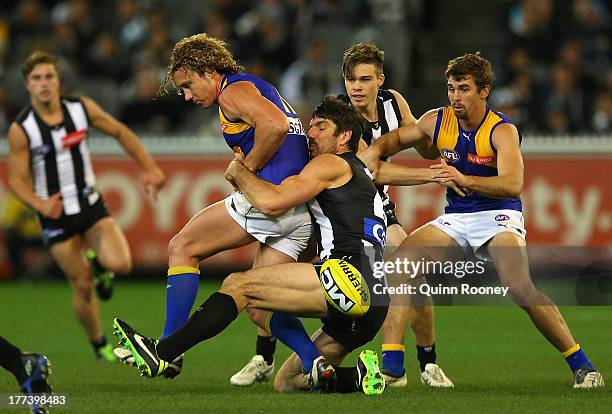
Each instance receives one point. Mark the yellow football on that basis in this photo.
(344, 287)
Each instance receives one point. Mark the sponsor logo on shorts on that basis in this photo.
(87, 191)
(49, 234)
(449, 154)
(502, 217)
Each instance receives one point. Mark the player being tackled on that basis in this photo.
(338, 189)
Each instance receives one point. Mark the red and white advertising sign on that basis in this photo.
(567, 201)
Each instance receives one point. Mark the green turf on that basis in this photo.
(498, 362)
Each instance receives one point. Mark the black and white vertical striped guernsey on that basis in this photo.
(59, 156)
(389, 115)
(389, 118)
(350, 217)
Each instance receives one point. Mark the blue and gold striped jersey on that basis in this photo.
(292, 155)
(472, 153)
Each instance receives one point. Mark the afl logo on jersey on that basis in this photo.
(502, 217)
(449, 155)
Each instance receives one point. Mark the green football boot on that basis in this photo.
(142, 348)
(105, 353)
(370, 377)
(102, 278)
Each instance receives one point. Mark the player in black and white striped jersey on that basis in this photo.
(51, 171)
(386, 110)
(350, 232)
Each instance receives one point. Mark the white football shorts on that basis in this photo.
(473, 230)
(288, 233)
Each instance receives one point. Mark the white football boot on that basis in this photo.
(433, 376)
(588, 378)
(256, 370)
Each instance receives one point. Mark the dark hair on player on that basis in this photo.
(343, 115)
(362, 53)
(471, 64)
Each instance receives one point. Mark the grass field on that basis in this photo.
(498, 362)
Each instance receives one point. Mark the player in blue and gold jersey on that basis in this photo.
(340, 290)
(259, 124)
(481, 158)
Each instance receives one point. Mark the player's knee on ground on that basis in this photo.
(281, 384)
(284, 384)
(290, 377)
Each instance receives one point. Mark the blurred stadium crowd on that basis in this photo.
(553, 60)
(557, 73)
(554, 66)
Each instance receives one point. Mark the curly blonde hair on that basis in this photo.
(200, 53)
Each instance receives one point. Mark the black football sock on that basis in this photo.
(265, 346)
(426, 355)
(347, 380)
(210, 319)
(10, 358)
(98, 268)
(99, 343)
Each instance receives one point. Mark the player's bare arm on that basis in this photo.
(325, 171)
(20, 179)
(399, 139)
(402, 138)
(509, 181)
(154, 177)
(426, 148)
(242, 100)
(394, 174)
